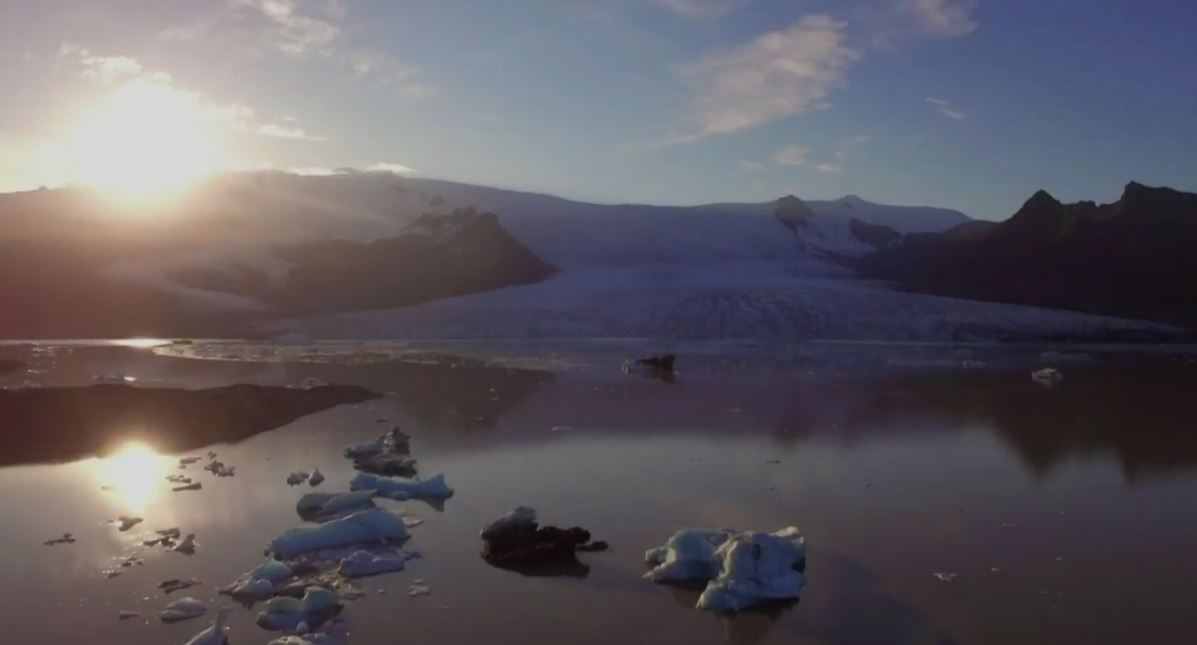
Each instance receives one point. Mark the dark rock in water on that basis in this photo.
(516, 541)
(61, 424)
(593, 546)
(660, 362)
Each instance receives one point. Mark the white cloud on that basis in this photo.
(389, 71)
(294, 30)
(840, 157)
(945, 108)
(286, 132)
(791, 155)
(315, 171)
(779, 74)
(129, 74)
(942, 18)
(397, 168)
(701, 8)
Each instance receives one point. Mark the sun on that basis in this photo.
(146, 140)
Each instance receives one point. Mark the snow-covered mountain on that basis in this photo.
(237, 254)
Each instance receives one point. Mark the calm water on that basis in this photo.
(1070, 513)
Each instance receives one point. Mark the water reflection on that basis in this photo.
(134, 474)
(141, 343)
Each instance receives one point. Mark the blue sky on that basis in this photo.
(971, 104)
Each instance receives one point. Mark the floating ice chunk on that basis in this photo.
(316, 477)
(187, 546)
(218, 468)
(743, 569)
(688, 555)
(183, 609)
(217, 634)
(432, 488)
(297, 478)
(1047, 376)
(363, 563)
(259, 582)
(946, 576)
(312, 382)
(125, 614)
(326, 506)
(183, 461)
(176, 584)
(284, 613)
(369, 526)
(66, 538)
(334, 632)
(419, 588)
(113, 378)
(386, 455)
(194, 486)
(271, 570)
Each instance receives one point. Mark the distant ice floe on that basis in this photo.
(743, 569)
(369, 526)
(1047, 376)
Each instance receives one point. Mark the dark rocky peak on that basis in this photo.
(793, 213)
(1147, 201)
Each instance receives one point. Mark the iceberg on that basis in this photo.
(183, 609)
(284, 613)
(743, 569)
(297, 478)
(361, 564)
(316, 478)
(259, 582)
(217, 634)
(433, 488)
(325, 506)
(369, 526)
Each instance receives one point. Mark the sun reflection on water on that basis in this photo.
(135, 474)
(141, 343)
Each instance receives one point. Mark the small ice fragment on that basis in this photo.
(184, 461)
(995, 569)
(369, 526)
(66, 538)
(316, 477)
(312, 382)
(418, 588)
(412, 522)
(183, 609)
(125, 522)
(216, 634)
(946, 576)
(211, 455)
(218, 468)
(111, 573)
(177, 584)
(193, 486)
(297, 478)
(187, 546)
(432, 488)
(364, 563)
(124, 614)
(259, 582)
(1047, 376)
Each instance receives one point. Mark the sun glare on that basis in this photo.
(135, 473)
(145, 141)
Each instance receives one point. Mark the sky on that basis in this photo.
(968, 104)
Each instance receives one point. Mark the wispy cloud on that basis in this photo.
(942, 18)
(701, 8)
(945, 108)
(126, 72)
(389, 71)
(298, 30)
(286, 132)
(791, 155)
(397, 168)
(779, 74)
(839, 158)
